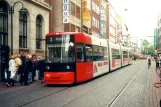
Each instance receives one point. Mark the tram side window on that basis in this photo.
(100, 53)
(105, 53)
(89, 53)
(80, 52)
(130, 55)
(116, 54)
(125, 54)
(95, 53)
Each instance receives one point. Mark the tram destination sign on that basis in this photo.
(57, 39)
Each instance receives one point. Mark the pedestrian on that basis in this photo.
(41, 67)
(18, 63)
(28, 70)
(11, 72)
(34, 67)
(22, 69)
(149, 61)
(157, 61)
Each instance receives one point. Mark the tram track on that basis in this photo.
(50, 92)
(105, 83)
(44, 97)
(121, 92)
(20, 93)
(32, 92)
(66, 89)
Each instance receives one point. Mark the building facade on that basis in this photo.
(29, 27)
(88, 16)
(95, 16)
(114, 25)
(65, 16)
(159, 33)
(103, 21)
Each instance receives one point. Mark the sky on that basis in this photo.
(141, 15)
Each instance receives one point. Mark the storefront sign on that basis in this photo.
(65, 11)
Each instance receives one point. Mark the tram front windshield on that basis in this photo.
(60, 49)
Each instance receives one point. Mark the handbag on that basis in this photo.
(17, 77)
(13, 75)
(5, 75)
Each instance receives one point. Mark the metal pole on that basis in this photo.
(81, 15)
(12, 12)
(11, 30)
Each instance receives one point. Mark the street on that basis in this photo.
(126, 87)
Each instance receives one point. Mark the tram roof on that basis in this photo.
(62, 33)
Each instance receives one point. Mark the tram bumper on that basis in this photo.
(59, 77)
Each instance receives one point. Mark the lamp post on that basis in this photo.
(81, 16)
(22, 10)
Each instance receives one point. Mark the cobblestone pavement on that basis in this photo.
(135, 94)
(154, 94)
(100, 92)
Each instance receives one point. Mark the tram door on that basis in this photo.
(4, 59)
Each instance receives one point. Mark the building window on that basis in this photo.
(3, 24)
(23, 30)
(72, 8)
(66, 27)
(72, 28)
(38, 32)
(78, 12)
(93, 6)
(77, 29)
(93, 21)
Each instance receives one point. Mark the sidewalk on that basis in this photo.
(3, 87)
(153, 93)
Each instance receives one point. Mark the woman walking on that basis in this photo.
(12, 72)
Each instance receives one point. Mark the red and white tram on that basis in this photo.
(76, 57)
(125, 56)
(115, 56)
(130, 55)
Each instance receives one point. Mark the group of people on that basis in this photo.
(25, 69)
(158, 61)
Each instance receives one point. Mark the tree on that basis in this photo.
(151, 50)
(148, 49)
(145, 44)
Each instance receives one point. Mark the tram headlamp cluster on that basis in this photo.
(68, 67)
(47, 67)
(47, 75)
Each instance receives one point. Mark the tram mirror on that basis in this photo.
(71, 44)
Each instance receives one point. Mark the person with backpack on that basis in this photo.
(157, 61)
(149, 62)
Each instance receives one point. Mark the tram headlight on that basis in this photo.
(47, 67)
(68, 67)
(47, 75)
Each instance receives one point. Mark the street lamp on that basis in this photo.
(81, 16)
(22, 10)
